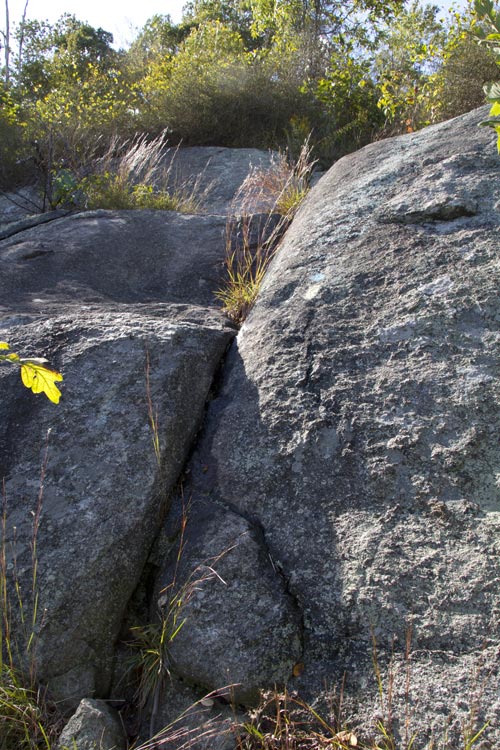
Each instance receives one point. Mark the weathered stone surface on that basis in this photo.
(219, 173)
(114, 256)
(17, 205)
(242, 619)
(358, 427)
(193, 719)
(105, 297)
(104, 494)
(94, 726)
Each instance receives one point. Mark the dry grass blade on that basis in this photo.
(200, 728)
(279, 188)
(140, 174)
(283, 721)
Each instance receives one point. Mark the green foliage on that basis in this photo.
(111, 191)
(34, 374)
(405, 66)
(12, 140)
(490, 35)
(347, 98)
(136, 174)
(250, 73)
(215, 92)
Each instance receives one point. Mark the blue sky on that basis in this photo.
(122, 18)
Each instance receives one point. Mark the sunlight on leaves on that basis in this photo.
(40, 379)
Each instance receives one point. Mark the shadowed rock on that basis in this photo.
(122, 304)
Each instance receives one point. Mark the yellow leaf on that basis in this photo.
(4, 345)
(41, 380)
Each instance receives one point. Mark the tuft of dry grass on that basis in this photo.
(28, 719)
(279, 188)
(139, 175)
(133, 174)
(283, 721)
(250, 243)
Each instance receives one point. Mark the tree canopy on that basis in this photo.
(263, 73)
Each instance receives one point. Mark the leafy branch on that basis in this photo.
(34, 374)
(488, 15)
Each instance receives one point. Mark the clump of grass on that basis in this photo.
(246, 263)
(283, 721)
(280, 189)
(152, 641)
(136, 174)
(282, 186)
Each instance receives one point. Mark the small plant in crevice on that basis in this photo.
(152, 412)
(152, 641)
(29, 720)
(251, 242)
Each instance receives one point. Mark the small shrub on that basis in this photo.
(137, 175)
(215, 92)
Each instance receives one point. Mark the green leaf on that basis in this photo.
(40, 379)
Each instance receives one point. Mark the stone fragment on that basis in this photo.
(93, 726)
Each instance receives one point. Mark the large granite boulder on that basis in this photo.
(212, 175)
(218, 174)
(122, 304)
(356, 432)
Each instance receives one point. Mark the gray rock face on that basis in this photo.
(137, 344)
(243, 621)
(120, 257)
(219, 174)
(94, 726)
(357, 427)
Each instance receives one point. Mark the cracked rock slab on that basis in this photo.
(105, 485)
